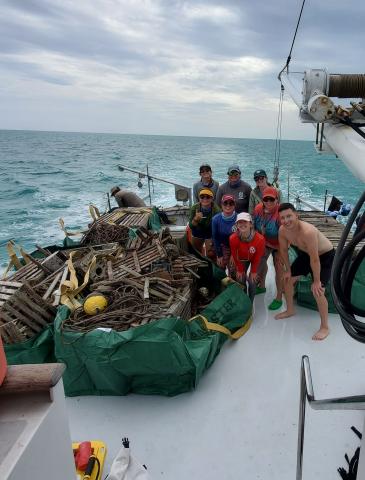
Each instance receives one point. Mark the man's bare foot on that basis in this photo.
(286, 314)
(321, 334)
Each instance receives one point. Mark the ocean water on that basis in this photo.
(45, 176)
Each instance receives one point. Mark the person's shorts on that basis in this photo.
(301, 265)
(202, 234)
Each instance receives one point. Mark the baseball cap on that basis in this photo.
(206, 191)
(259, 173)
(228, 197)
(244, 216)
(233, 168)
(205, 165)
(270, 192)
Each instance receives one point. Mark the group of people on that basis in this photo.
(240, 227)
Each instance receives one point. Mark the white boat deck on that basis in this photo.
(241, 422)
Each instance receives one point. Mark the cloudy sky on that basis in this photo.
(169, 67)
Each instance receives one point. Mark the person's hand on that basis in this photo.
(220, 261)
(198, 216)
(317, 289)
(286, 276)
(240, 276)
(254, 277)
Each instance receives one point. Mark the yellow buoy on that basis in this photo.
(95, 304)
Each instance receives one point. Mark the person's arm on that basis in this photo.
(196, 193)
(311, 241)
(218, 197)
(195, 215)
(283, 251)
(251, 205)
(234, 242)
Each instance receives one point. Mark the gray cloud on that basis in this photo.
(166, 59)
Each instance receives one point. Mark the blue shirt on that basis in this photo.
(221, 231)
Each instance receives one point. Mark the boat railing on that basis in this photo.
(307, 393)
(299, 201)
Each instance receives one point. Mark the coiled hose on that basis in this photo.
(345, 266)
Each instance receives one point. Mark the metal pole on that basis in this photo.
(149, 185)
(110, 207)
(321, 139)
(325, 200)
(302, 405)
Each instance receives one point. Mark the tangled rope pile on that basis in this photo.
(101, 232)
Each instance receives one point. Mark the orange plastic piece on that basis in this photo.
(3, 362)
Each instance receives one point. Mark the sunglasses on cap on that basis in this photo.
(228, 203)
(204, 197)
(259, 178)
(268, 199)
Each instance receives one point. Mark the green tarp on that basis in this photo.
(164, 357)
(358, 288)
(39, 349)
(305, 297)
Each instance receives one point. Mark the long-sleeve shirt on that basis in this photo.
(221, 231)
(204, 227)
(240, 192)
(256, 198)
(267, 224)
(213, 186)
(243, 252)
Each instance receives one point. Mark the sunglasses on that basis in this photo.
(204, 170)
(259, 178)
(269, 199)
(233, 174)
(205, 197)
(228, 203)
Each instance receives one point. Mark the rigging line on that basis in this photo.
(278, 136)
(286, 66)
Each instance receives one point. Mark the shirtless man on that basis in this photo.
(316, 254)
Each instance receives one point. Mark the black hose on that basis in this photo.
(345, 267)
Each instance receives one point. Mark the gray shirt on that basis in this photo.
(240, 192)
(128, 199)
(199, 186)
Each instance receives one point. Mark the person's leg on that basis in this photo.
(289, 297)
(323, 331)
(262, 271)
(278, 300)
(198, 244)
(251, 288)
(209, 248)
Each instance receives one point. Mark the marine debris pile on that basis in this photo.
(120, 275)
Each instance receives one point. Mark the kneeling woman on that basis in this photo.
(247, 249)
(201, 215)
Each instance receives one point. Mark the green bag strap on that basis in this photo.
(216, 327)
